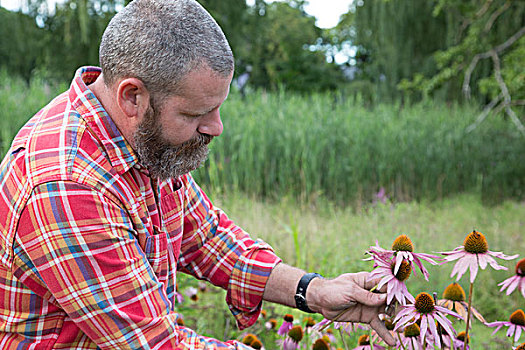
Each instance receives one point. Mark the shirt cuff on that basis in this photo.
(247, 282)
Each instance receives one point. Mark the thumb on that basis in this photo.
(368, 298)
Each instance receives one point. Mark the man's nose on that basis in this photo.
(211, 124)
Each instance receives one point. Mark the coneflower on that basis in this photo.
(425, 311)
(454, 299)
(516, 324)
(403, 250)
(516, 281)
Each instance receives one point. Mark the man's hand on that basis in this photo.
(330, 297)
(350, 292)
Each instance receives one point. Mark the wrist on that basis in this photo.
(313, 294)
(304, 298)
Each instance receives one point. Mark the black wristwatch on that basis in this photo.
(300, 294)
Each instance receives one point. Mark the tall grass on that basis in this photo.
(19, 101)
(275, 144)
(332, 147)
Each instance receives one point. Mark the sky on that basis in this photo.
(326, 12)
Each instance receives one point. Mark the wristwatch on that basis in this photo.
(300, 294)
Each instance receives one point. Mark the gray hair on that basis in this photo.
(159, 41)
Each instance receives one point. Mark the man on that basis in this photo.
(99, 211)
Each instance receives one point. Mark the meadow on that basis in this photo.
(305, 174)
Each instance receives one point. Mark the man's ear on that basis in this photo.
(132, 98)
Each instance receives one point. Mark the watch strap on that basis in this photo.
(300, 294)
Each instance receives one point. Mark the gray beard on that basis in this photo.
(162, 159)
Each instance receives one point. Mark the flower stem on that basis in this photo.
(439, 328)
(342, 337)
(400, 341)
(370, 340)
(468, 314)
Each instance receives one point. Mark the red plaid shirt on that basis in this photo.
(90, 245)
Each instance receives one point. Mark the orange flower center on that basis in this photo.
(521, 347)
(403, 243)
(411, 331)
(296, 333)
(309, 322)
(248, 338)
(454, 292)
(404, 270)
(520, 268)
(256, 344)
(273, 323)
(518, 317)
(389, 325)
(320, 344)
(461, 336)
(424, 303)
(288, 318)
(363, 340)
(476, 243)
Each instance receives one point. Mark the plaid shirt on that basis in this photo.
(90, 245)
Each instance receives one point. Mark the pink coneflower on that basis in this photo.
(458, 342)
(192, 293)
(363, 343)
(270, 324)
(425, 310)
(348, 327)
(295, 334)
(286, 326)
(516, 324)
(411, 339)
(473, 254)
(321, 344)
(516, 281)
(403, 249)
(395, 282)
(454, 299)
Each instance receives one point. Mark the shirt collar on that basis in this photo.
(121, 156)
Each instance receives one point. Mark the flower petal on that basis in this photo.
(494, 264)
(423, 326)
(473, 272)
(503, 256)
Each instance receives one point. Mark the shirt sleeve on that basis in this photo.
(215, 249)
(83, 248)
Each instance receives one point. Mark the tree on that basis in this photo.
(282, 49)
(21, 43)
(392, 40)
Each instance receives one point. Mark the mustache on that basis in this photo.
(199, 141)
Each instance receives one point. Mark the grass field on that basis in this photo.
(332, 240)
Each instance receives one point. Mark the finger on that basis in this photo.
(372, 283)
(368, 298)
(381, 330)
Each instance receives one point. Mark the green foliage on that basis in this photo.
(481, 26)
(394, 40)
(334, 240)
(19, 101)
(328, 146)
(278, 51)
(21, 43)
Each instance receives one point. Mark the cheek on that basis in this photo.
(177, 132)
